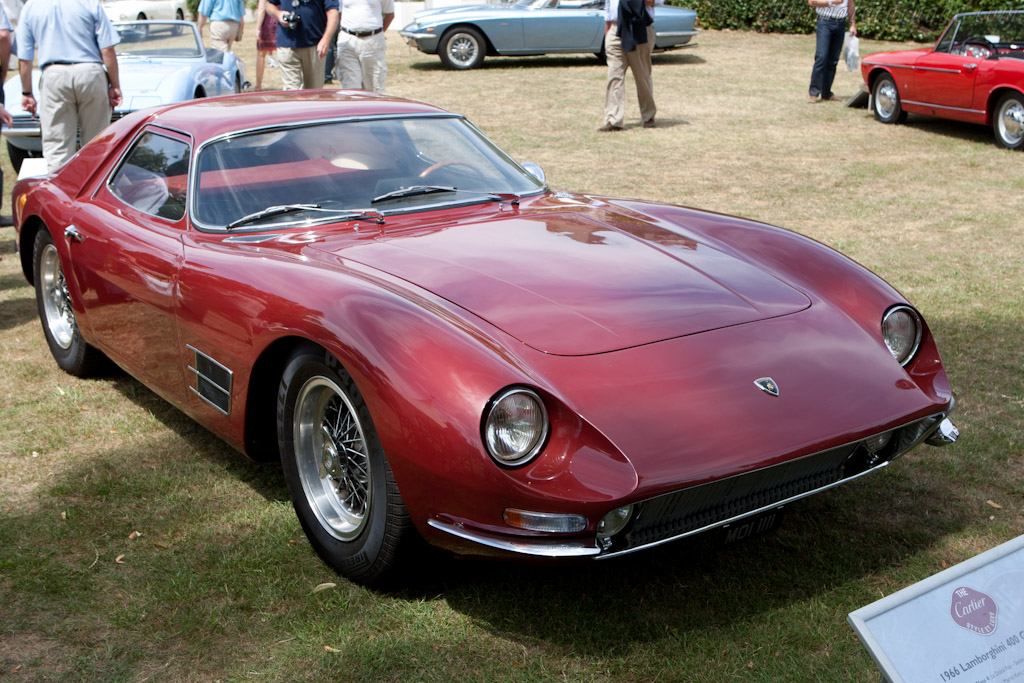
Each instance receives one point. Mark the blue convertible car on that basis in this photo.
(463, 36)
(158, 62)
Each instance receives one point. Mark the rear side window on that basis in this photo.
(154, 176)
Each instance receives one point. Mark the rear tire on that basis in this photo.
(885, 100)
(60, 327)
(338, 478)
(1008, 121)
(17, 155)
(462, 48)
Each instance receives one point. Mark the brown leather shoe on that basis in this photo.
(608, 128)
(649, 123)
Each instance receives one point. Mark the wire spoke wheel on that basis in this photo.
(340, 482)
(331, 454)
(58, 316)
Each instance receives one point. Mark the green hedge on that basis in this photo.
(921, 20)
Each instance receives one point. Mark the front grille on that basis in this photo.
(684, 512)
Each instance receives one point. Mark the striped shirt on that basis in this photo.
(833, 11)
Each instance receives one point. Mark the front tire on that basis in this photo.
(885, 98)
(462, 48)
(338, 478)
(1008, 121)
(72, 353)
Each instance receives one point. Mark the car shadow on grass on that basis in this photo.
(556, 62)
(955, 130)
(265, 479)
(689, 586)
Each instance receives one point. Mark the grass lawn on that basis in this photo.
(136, 546)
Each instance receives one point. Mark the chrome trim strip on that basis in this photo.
(675, 34)
(525, 547)
(254, 238)
(890, 66)
(941, 106)
(937, 69)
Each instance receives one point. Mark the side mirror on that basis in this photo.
(534, 170)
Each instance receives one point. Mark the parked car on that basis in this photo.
(158, 62)
(141, 10)
(433, 342)
(975, 73)
(462, 36)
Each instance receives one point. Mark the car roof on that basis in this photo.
(209, 118)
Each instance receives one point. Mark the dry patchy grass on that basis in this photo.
(219, 584)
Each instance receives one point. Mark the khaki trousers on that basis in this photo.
(222, 34)
(362, 62)
(639, 62)
(301, 68)
(73, 100)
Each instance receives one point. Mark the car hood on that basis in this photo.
(141, 80)
(579, 283)
(455, 12)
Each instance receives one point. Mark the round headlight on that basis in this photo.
(901, 330)
(515, 426)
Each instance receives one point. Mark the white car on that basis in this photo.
(140, 10)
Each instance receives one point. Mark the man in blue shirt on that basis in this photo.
(227, 18)
(304, 32)
(76, 41)
(5, 59)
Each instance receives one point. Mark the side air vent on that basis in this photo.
(213, 381)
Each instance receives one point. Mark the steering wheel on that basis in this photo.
(451, 162)
(987, 48)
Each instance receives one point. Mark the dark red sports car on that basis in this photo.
(975, 73)
(435, 343)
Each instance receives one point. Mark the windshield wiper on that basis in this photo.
(336, 214)
(271, 211)
(411, 192)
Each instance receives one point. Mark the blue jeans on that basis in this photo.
(830, 34)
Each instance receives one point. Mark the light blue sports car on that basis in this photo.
(463, 36)
(158, 62)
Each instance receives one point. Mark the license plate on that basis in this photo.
(751, 526)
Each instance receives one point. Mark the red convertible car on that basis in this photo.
(975, 73)
(435, 344)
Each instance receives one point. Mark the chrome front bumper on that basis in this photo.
(695, 510)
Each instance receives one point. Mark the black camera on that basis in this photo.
(291, 19)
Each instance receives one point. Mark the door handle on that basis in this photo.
(970, 67)
(71, 232)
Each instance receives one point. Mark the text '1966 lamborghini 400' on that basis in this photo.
(975, 73)
(436, 344)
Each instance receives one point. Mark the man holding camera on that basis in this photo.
(304, 32)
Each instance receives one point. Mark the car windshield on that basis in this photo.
(987, 31)
(327, 171)
(533, 4)
(157, 39)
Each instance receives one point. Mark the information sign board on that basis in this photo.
(965, 624)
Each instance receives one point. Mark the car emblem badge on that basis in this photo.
(767, 385)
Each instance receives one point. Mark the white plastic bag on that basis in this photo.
(851, 52)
